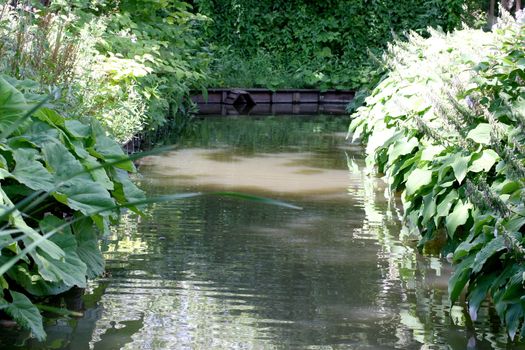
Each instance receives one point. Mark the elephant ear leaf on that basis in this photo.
(22, 310)
(88, 249)
(71, 270)
(76, 187)
(12, 105)
(30, 172)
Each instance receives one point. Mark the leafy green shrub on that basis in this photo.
(130, 64)
(447, 127)
(326, 44)
(44, 47)
(61, 184)
(164, 37)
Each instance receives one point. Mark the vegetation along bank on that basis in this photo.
(78, 78)
(130, 64)
(447, 128)
(316, 44)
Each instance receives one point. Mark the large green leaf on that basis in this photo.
(480, 134)
(88, 248)
(444, 206)
(508, 186)
(458, 217)
(98, 174)
(50, 117)
(485, 162)
(460, 166)
(76, 188)
(86, 196)
(468, 246)
(459, 278)
(400, 148)
(70, 270)
(30, 172)
(478, 292)
(25, 314)
(515, 223)
(110, 151)
(513, 318)
(430, 152)
(12, 105)
(31, 235)
(38, 133)
(417, 179)
(61, 162)
(31, 280)
(429, 208)
(494, 246)
(77, 129)
(125, 190)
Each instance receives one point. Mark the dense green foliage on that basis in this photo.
(116, 68)
(61, 184)
(131, 64)
(447, 127)
(326, 44)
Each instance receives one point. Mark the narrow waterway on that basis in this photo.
(216, 272)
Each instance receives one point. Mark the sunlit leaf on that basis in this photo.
(457, 217)
(444, 206)
(485, 162)
(459, 166)
(417, 179)
(480, 134)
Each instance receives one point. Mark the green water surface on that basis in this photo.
(222, 273)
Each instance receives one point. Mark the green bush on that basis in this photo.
(447, 127)
(61, 183)
(130, 64)
(326, 44)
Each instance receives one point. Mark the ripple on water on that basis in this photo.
(221, 273)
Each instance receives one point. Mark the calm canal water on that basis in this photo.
(218, 272)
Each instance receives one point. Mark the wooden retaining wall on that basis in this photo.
(264, 101)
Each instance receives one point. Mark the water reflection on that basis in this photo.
(220, 273)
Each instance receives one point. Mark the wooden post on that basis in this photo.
(296, 97)
(492, 7)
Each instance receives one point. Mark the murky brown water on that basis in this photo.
(221, 273)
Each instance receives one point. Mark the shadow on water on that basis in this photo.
(219, 273)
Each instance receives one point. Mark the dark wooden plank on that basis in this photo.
(279, 96)
(283, 97)
(261, 96)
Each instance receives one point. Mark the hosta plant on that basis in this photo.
(447, 128)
